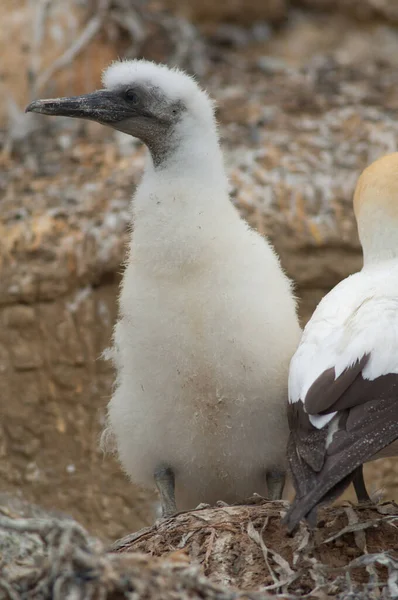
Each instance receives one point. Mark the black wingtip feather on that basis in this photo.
(368, 423)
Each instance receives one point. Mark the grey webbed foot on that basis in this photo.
(164, 479)
(275, 483)
(359, 486)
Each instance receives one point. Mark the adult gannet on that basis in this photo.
(343, 381)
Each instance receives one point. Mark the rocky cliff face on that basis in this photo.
(302, 111)
(364, 10)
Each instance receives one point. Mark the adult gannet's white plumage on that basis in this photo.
(207, 322)
(343, 381)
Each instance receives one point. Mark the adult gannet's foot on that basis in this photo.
(360, 487)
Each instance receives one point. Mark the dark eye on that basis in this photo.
(131, 96)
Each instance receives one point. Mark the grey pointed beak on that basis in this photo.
(104, 106)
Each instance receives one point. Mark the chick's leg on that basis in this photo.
(359, 485)
(164, 479)
(275, 483)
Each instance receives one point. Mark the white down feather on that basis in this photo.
(206, 331)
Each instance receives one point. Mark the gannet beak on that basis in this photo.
(104, 106)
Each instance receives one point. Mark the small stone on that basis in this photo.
(32, 472)
(25, 356)
(19, 316)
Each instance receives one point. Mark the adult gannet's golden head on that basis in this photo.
(376, 209)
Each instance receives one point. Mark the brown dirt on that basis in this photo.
(233, 11)
(364, 10)
(54, 391)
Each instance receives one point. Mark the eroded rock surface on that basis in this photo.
(365, 10)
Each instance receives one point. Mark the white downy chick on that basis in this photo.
(343, 381)
(207, 322)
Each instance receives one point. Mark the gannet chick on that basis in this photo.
(343, 381)
(207, 323)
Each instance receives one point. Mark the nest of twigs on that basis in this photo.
(225, 552)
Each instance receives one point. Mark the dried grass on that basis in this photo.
(225, 552)
(354, 549)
